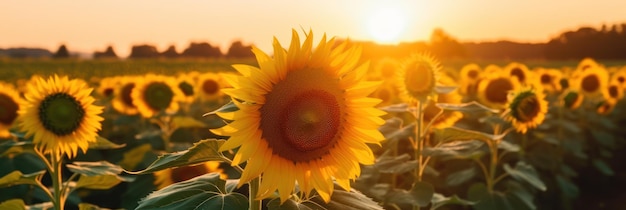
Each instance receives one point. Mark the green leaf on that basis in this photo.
(102, 143)
(398, 108)
(603, 167)
(509, 147)
(420, 195)
(41, 206)
(387, 163)
(568, 188)
(101, 182)
(229, 107)
(203, 192)
(186, 122)
(485, 200)
(11, 148)
(460, 134)
(604, 138)
(456, 149)
(570, 126)
(469, 107)
(202, 151)
(525, 172)
(342, 199)
(17, 178)
(88, 206)
(461, 176)
(440, 200)
(95, 168)
(14, 204)
(441, 89)
(291, 205)
(149, 133)
(134, 156)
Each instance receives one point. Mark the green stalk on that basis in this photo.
(493, 147)
(57, 182)
(418, 144)
(254, 189)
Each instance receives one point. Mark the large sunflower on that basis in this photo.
(166, 177)
(60, 114)
(123, 101)
(155, 94)
(304, 117)
(494, 89)
(527, 109)
(591, 81)
(417, 77)
(10, 102)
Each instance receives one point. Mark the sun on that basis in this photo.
(386, 24)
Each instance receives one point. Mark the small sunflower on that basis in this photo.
(619, 77)
(470, 75)
(527, 109)
(587, 63)
(304, 117)
(550, 79)
(613, 93)
(519, 71)
(107, 86)
(386, 68)
(122, 99)
(572, 99)
(60, 114)
(605, 107)
(209, 86)
(592, 81)
(166, 177)
(387, 93)
(447, 118)
(417, 77)
(10, 103)
(494, 89)
(155, 94)
(186, 84)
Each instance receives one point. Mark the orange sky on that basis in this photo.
(93, 25)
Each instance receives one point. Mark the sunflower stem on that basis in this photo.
(418, 144)
(493, 147)
(255, 204)
(57, 181)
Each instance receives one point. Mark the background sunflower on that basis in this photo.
(156, 94)
(10, 103)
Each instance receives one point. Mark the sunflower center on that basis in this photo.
(126, 98)
(186, 88)
(210, 86)
(473, 74)
(8, 109)
(517, 72)
(498, 89)
(564, 83)
(545, 79)
(621, 79)
(158, 95)
(613, 92)
(108, 92)
(188, 172)
(527, 109)
(418, 79)
(61, 113)
(590, 83)
(302, 115)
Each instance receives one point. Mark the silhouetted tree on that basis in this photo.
(201, 50)
(238, 50)
(608, 42)
(108, 53)
(445, 46)
(170, 52)
(144, 51)
(62, 52)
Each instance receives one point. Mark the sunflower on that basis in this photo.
(550, 79)
(613, 93)
(386, 68)
(447, 118)
(519, 71)
(592, 81)
(470, 75)
(166, 177)
(60, 114)
(417, 77)
(572, 99)
(209, 86)
(10, 103)
(605, 107)
(527, 108)
(304, 117)
(387, 93)
(494, 89)
(619, 77)
(186, 84)
(155, 94)
(107, 86)
(587, 63)
(122, 99)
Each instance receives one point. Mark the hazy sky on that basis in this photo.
(93, 25)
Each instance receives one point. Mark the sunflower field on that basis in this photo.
(311, 126)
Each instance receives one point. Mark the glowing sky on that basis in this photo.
(93, 25)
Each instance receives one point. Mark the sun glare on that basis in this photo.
(386, 25)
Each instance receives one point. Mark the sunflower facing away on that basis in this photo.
(10, 102)
(60, 114)
(527, 109)
(417, 77)
(122, 101)
(572, 99)
(304, 117)
(494, 89)
(155, 94)
(166, 177)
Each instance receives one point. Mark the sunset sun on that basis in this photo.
(386, 25)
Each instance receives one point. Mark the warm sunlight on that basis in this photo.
(385, 25)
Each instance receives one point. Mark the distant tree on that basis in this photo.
(444, 45)
(144, 51)
(62, 52)
(607, 42)
(201, 50)
(108, 53)
(170, 52)
(238, 50)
